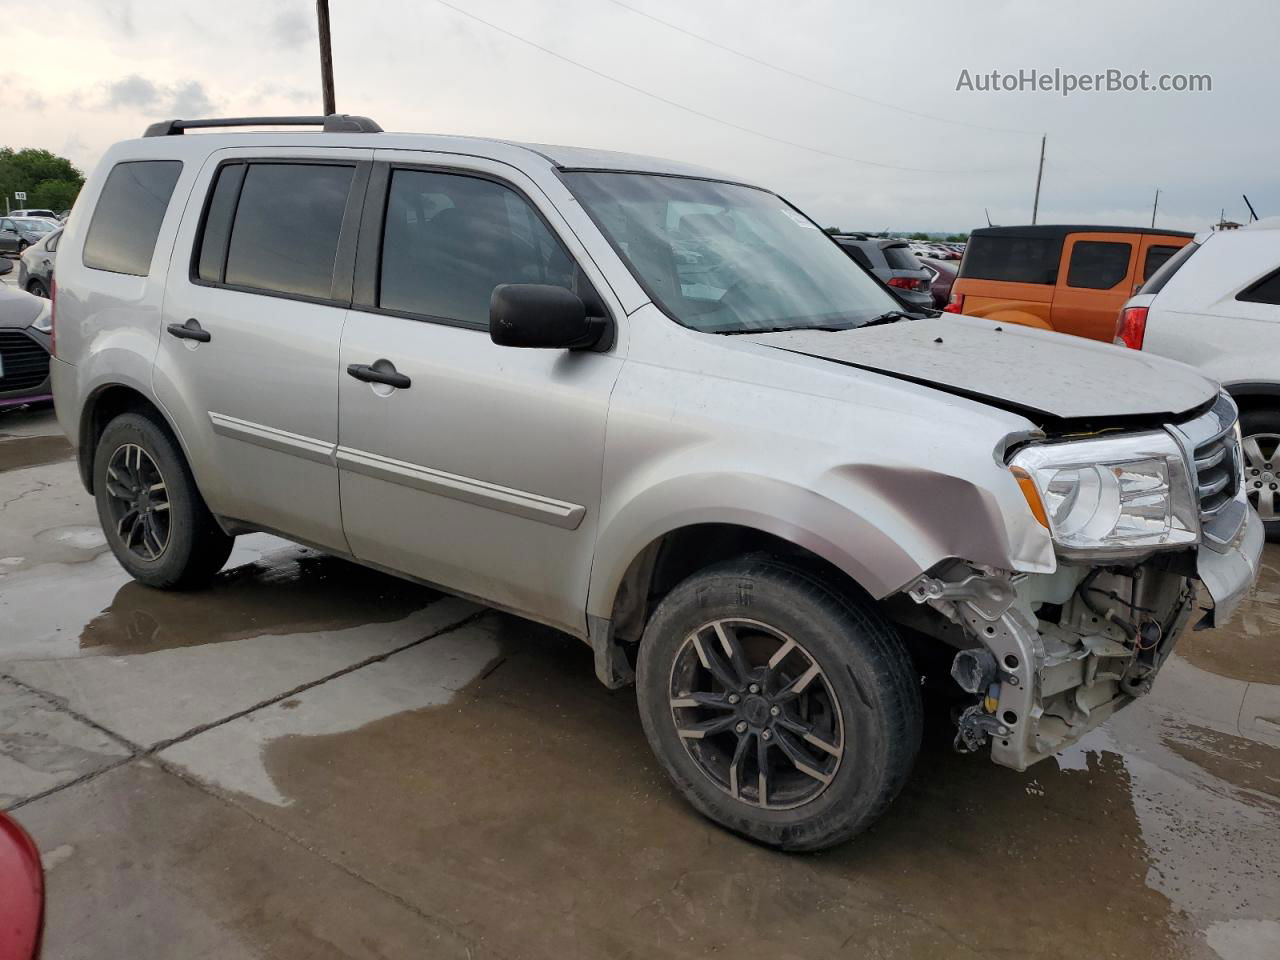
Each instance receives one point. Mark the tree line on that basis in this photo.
(50, 182)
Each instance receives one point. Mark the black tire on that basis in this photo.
(22, 246)
(37, 288)
(195, 547)
(865, 668)
(1265, 422)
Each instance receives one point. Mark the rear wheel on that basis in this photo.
(37, 288)
(782, 707)
(1261, 432)
(154, 518)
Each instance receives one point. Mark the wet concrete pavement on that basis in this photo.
(312, 760)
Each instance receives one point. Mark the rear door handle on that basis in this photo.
(191, 330)
(380, 371)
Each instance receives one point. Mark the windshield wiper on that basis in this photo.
(892, 316)
(827, 328)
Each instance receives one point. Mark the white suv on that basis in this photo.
(658, 409)
(1216, 306)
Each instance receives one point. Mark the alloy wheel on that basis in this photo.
(1262, 473)
(138, 501)
(756, 713)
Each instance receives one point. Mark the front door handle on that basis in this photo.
(191, 330)
(380, 371)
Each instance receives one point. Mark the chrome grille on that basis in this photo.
(24, 362)
(1211, 441)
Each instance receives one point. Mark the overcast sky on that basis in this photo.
(91, 72)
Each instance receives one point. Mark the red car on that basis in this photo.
(21, 893)
(943, 276)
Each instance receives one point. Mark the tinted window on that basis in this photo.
(52, 243)
(1157, 257)
(900, 258)
(1172, 266)
(449, 240)
(1098, 264)
(285, 234)
(857, 253)
(126, 221)
(217, 223)
(1012, 259)
(1266, 290)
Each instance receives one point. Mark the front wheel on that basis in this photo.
(154, 518)
(37, 289)
(1261, 431)
(782, 707)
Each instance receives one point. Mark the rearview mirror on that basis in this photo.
(541, 315)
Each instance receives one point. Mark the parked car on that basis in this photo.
(21, 893)
(40, 213)
(35, 266)
(26, 327)
(942, 276)
(893, 263)
(657, 409)
(18, 233)
(1072, 279)
(1216, 306)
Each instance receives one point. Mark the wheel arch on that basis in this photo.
(1251, 394)
(103, 404)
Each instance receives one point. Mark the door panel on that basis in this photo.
(257, 404)
(1094, 280)
(483, 475)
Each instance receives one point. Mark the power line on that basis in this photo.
(813, 80)
(699, 113)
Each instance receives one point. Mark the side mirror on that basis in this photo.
(540, 315)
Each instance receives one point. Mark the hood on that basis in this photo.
(1045, 376)
(18, 308)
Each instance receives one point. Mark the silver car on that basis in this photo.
(658, 409)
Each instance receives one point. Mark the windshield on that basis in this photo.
(35, 226)
(723, 258)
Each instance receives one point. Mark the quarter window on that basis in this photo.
(1266, 290)
(449, 239)
(1098, 264)
(284, 233)
(126, 221)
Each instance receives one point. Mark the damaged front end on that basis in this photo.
(1054, 655)
(1138, 521)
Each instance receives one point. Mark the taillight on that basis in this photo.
(902, 283)
(956, 305)
(53, 316)
(1132, 327)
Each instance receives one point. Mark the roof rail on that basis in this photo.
(333, 123)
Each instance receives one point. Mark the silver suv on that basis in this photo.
(655, 408)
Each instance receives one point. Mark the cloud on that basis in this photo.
(138, 94)
(291, 28)
(119, 13)
(133, 91)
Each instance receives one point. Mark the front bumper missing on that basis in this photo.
(1047, 684)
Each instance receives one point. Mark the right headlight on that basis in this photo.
(1111, 496)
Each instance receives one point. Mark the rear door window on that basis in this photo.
(1157, 280)
(284, 234)
(857, 253)
(1157, 256)
(449, 239)
(126, 221)
(1098, 264)
(1013, 259)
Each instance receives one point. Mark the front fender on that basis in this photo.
(882, 526)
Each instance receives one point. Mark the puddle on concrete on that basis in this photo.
(1247, 648)
(533, 794)
(292, 590)
(17, 453)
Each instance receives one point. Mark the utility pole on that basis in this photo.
(1035, 207)
(326, 56)
(1155, 204)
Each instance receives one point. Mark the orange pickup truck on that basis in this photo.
(1072, 279)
